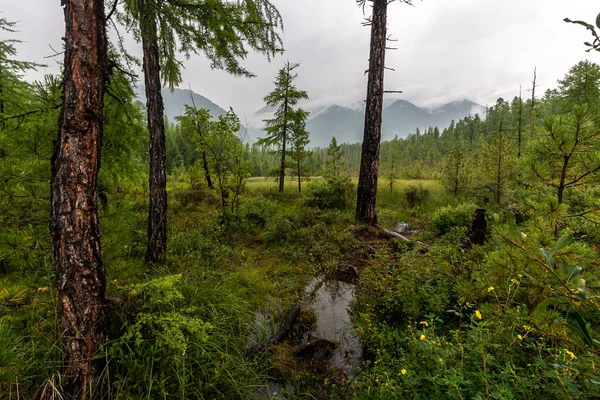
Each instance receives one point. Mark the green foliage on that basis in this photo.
(564, 156)
(334, 157)
(279, 129)
(11, 355)
(335, 193)
(222, 32)
(416, 195)
(300, 138)
(448, 217)
(454, 177)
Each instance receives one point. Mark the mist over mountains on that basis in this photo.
(400, 117)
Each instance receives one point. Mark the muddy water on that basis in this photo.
(331, 301)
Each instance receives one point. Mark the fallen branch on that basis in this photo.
(404, 238)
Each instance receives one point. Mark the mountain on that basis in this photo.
(176, 100)
(455, 111)
(344, 123)
(400, 118)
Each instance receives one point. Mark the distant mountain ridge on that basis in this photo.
(400, 117)
(176, 100)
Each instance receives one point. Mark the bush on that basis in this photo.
(281, 229)
(416, 196)
(257, 211)
(177, 345)
(336, 193)
(446, 218)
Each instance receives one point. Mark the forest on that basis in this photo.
(148, 258)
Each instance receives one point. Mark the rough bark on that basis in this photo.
(74, 223)
(157, 218)
(369, 165)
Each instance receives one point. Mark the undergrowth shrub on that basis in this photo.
(446, 218)
(257, 211)
(336, 193)
(174, 345)
(416, 195)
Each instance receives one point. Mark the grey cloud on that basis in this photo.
(447, 50)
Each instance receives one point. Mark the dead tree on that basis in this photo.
(369, 163)
(74, 224)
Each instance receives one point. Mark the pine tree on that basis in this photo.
(334, 157)
(75, 228)
(498, 166)
(566, 155)
(298, 141)
(285, 97)
(221, 30)
(454, 178)
(581, 85)
(11, 86)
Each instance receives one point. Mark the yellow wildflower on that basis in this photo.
(423, 323)
(490, 289)
(571, 354)
(403, 372)
(519, 337)
(422, 337)
(527, 327)
(478, 314)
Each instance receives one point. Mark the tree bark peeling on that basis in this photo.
(74, 222)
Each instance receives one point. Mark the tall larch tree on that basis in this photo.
(300, 138)
(369, 164)
(74, 224)
(222, 31)
(285, 98)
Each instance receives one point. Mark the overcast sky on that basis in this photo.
(448, 49)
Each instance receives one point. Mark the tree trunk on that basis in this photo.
(369, 165)
(299, 178)
(563, 179)
(207, 172)
(283, 143)
(532, 121)
(520, 130)
(157, 218)
(74, 223)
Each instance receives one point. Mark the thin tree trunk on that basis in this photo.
(157, 218)
(563, 178)
(283, 144)
(74, 223)
(299, 184)
(207, 172)
(533, 101)
(520, 122)
(369, 166)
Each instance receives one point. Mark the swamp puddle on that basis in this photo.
(331, 301)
